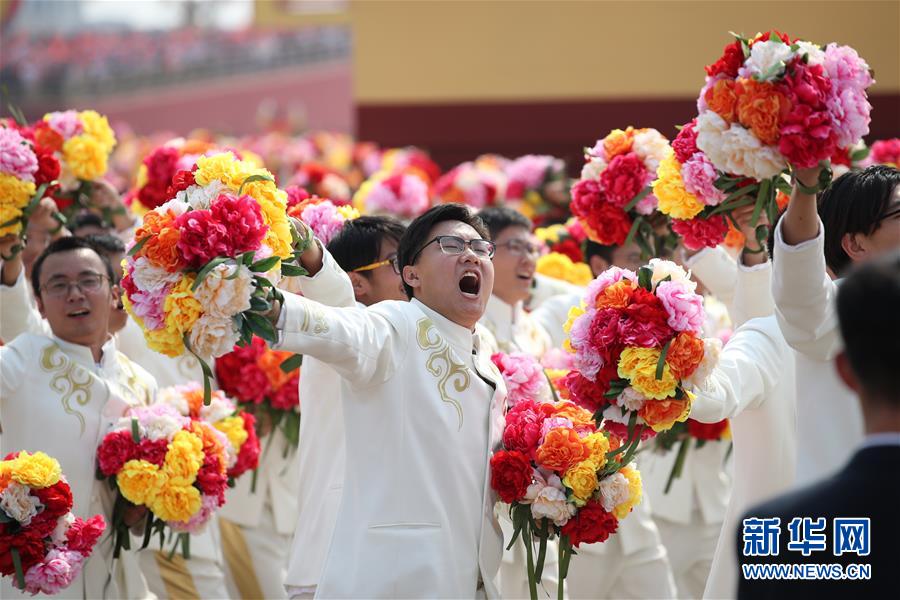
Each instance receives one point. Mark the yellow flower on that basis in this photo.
(252, 159)
(634, 489)
(582, 480)
(97, 127)
(15, 192)
(560, 266)
(639, 366)
(348, 212)
(359, 198)
(222, 167)
(181, 307)
(140, 481)
(574, 313)
(550, 234)
(184, 458)
(176, 502)
(36, 470)
(165, 341)
(674, 199)
(599, 446)
(9, 213)
(234, 430)
(85, 157)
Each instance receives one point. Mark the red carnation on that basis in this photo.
(570, 248)
(624, 178)
(44, 135)
(48, 166)
(729, 63)
(29, 545)
(296, 195)
(287, 396)
(685, 143)
(116, 449)
(181, 181)
(253, 385)
(590, 525)
(210, 478)
(510, 475)
(57, 499)
(515, 190)
(248, 457)
(586, 393)
(202, 239)
(523, 427)
(243, 220)
(608, 225)
(620, 430)
(645, 321)
(229, 367)
(886, 151)
(700, 233)
(83, 535)
(604, 332)
(806, 134)
(153, 451)
(707, 431)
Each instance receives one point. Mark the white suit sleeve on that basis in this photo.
(330, 286)
(18, 314)
(553, 314)
(13, 370)
(362, 345)
(744, 377)
(717, 271)
(805, 297)
(752, 294)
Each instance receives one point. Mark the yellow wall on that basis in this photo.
(281, 14)
(457, 51)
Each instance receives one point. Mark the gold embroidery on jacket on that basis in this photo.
(133, 383)
(70, 380)
(440, 363)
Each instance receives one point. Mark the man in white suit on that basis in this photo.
(423, 410)
(359, 268)
(858, 219)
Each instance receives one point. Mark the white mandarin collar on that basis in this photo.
(82, 354)
(459, 337)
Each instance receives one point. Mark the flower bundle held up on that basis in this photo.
(403, 195)
(560, 475)
(681, 434)
(613, 199)
(176, 467)
(636, 345)
(886, 152)
(538, 187)
(253, 376)
(477, 183)
(323, 216)
(560, 266)
(27, 170)
(43, 546)
(204, 265)
(155, 174)
(770, 103)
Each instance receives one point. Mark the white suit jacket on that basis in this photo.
(55, 399)
(547, 287)
(421, 421)
(828, 410)
(514, 329)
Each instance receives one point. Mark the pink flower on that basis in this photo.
(523, 427)
(149, 307)
(56, 572)
(556, 358)
(700, 176)
(851, 112)
(886, 151)
(604, 280)
(700, 233)
(647, 204)
(846, 67)
(685, 143)
(624, 178)
(530, 170)
(16, 156)
(523, 376)
(196, 524)
(66, 123)
(685, 308)
(83, 535)
(203, 238)
(402, 195)
(554, 423)
(604, 332)
(242, 219)
(324, 219)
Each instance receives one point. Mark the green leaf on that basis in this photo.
(858, 155)
(253, 178)
(137, 247)
(292, 270)
(262, 327)
(291, 364)
(35, 200)
(661, 363)
(5, 518)
(207, 269)
(765, 188)
(633, 202)
(774, 37)
(247, 259)
(135, 431)
(262, 282)
(258, 304)
(633, 231)
(645, 278)
(264, 265)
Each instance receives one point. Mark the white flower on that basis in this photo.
(614, 491)
(651, 146)
(593, 168)
(223, 297)
(174, 396)
(815, 55)
(631, 399)
(200, 196)
(160, 427)
(62, 528)
(765, 55)
(734, 149)
(335, 187)
(151, 278)
(548, 500)
(712, 348)
(175, 206)
(220, 407)
(213, 336)
(666, 268)
(17, 502)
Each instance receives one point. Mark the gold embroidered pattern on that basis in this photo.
(321, 326)
(133, 383)
(440, 363)
(70, 380)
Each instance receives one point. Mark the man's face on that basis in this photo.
(887, 236)
(456, 286)
(382, 283)
(624, 257)
(514, 264)
(76, 313)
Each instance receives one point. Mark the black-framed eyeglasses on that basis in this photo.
(390, 260)
(520, 247)
(88, 284)
(454, 245)
(888, 215)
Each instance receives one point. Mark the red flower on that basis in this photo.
(523, 427)
(570, 248)
(153, 451)
(210, 478)
(645, 323)
(624, 178)
(48, 166)
(248, 457)
(510, 475)
(685, 143)
(243, 220)
(607, 225)
(29, 545)
(806, 134)
(181, 181)
(729, 63)
(202, 238)
(591, 524)
(586, 393)
(700, 233)
(620, 430)
(57, 499)
(44, 135)
(886, 151)
(296, 195)
(707, 431)
(116, 449)
(229, 367)
(83, 535)
(287, 396)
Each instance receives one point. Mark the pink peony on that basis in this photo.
(149, 307)
(647, 204)
(845, 67)
(700, 233)
(243, 220)
(83, 534)
(700, 176)
(624, 178)
(402, 195)
(685, 143)
(685, 308)
(524, 377)
(529, 171)
(851, 112)
(56, 572)
(523, 427)
(323, 219)
(886, 151)
(16, 156)
(66, 123)
(203, 238)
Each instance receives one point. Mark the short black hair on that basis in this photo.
(592, 248)
(87, 219)
(867, 304)
(107, 245)
(359, 242)
(418, 232)
(853, 204)
(66, 244)
(498, 218)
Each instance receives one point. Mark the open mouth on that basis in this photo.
(81, 312)
(470, 283)
(525, 276)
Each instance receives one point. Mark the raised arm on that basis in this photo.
(329, 285)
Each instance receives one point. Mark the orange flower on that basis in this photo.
(782, 200)
(211, 444)
(580, 417)
(270, 363)
(453, 194)
(662, 414)
(195, 147)
(160, 249)
(722, 100)
(734, 238)
(618, 295)
(685, 355)
(561, 449)
(760, 107)
(194, 399)
(618, 142)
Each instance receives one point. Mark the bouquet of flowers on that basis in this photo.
(538, 187)
(175, 466)
(204, 265)
(412, 160)
(636, 345)
(613, 199)
(155, 173)
(27, 170)
(323, 181)
(323, 216)
(560, 266)
(560, 475)
(44, 545)
(681, 434)
(478, 183)
(886, 152)
(771, 102)
(253, 375)
(403, 195)
(565, 238)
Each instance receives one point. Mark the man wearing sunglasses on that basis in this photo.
(422, 410)
(858, 219)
